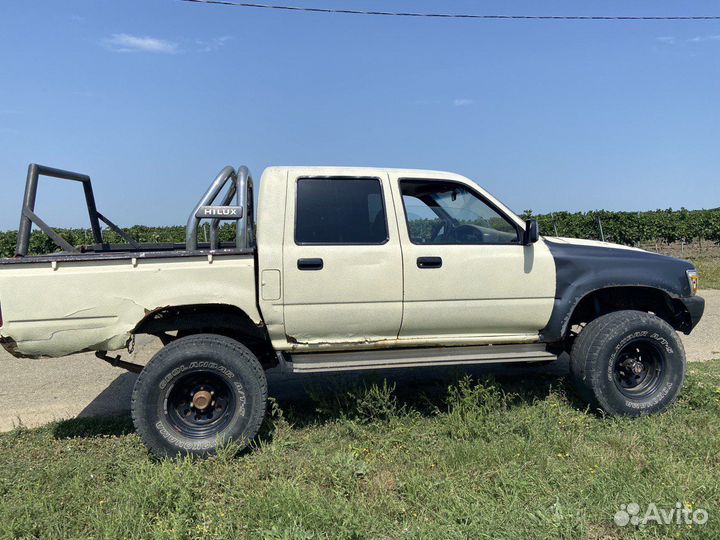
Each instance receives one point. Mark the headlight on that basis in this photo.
(693, 280)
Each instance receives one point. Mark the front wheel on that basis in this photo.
(628, 363)
(198, 392)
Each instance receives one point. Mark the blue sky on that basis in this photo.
(153, 97)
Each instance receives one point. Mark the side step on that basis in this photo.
(402, 358)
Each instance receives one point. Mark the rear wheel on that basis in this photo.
(628, 363)
(198, 392)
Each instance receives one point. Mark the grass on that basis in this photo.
(513, 457)
(709, 268)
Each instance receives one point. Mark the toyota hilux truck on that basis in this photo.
(343, 269)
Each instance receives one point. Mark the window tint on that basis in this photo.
(440, 212)
(340, 211)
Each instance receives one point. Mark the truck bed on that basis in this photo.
(62, 303)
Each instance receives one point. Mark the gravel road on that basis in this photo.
(34, 392)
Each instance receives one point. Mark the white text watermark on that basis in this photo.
(679, 514)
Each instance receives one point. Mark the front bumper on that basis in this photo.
(695, 307)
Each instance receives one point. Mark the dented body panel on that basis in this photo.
(55, 307)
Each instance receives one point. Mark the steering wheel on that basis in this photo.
(467, 234)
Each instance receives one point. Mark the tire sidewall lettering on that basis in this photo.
(213, 366)
(240, 398)
(657, 396)
(186, 444)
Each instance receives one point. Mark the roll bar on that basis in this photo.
(28, 215)
(241, 189)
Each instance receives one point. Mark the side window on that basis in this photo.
(340, 211)
(440, 212)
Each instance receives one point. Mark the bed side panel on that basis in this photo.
(54, 309)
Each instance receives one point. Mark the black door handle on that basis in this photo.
(310, 264)
(429, 262)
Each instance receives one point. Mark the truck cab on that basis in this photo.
(395, 258)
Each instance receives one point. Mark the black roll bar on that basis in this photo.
(28, 215)
(241, 190)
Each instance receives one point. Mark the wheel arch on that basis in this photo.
(593, 303)
(609, 278)
(171, 322)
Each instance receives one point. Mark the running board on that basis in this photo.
(402, 358)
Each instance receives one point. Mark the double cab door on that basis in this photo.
(342, 260)
(467, 277)
(390, 259)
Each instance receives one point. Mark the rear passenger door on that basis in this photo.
(342, 261)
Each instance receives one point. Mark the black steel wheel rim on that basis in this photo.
(200, 404)
(638, 368)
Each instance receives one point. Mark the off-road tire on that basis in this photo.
(223, 370)
(605, 348)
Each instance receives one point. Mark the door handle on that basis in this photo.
(429, 262)
(310, 264)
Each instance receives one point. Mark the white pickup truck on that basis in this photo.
(352, 269)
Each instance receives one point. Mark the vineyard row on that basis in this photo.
(630, 228)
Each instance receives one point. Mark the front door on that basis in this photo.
(342, 261)
(468, 276)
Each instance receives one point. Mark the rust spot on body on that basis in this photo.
(9, 344)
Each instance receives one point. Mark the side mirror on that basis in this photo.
(532, 232)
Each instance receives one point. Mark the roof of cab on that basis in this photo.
(320, 169)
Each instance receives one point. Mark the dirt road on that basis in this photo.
(34, 392)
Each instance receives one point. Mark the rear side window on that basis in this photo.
(340, 211)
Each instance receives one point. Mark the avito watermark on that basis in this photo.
(679, 514)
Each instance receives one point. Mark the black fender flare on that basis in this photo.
(584, 269)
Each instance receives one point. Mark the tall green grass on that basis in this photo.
(512, 457)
